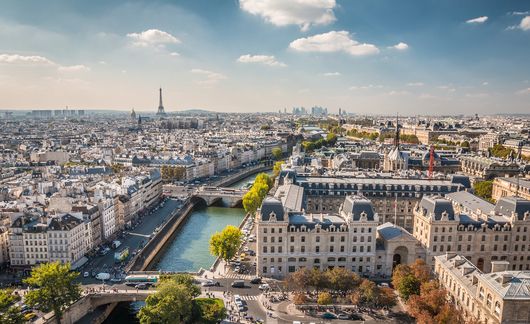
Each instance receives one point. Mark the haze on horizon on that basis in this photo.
(379, 56)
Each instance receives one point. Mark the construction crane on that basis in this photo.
(431, 161)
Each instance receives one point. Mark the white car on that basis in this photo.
(246, 249)
(264, 286)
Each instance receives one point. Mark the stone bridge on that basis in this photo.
(89, 302)
(211, 195)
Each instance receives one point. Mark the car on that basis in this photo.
(115, 279)
(210, 283)
(30, 316)
(251, 239)
(264, 286)
(86, 274)
(246, 249)
(329, 315)
(237, 269)
(141, 286)
(343, 316)
(238, 284)
(255, 281)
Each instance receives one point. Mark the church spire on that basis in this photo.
(396, 138)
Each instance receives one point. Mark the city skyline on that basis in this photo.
(418, 57)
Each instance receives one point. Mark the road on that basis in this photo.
(132, 238)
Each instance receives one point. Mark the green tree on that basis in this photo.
(324, 298)
(263, 178)
(226, 243)
(500, 151)
(277, 153)
(54, 288)
(208, 310)
(341, 279)
(483, 189)
(408, 286)
(251, 201)
(182, 279)
(277, 168)
(172, 303)
(9, 313)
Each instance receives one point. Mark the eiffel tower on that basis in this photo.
(161, 111)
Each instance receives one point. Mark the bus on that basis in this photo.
(132, 280)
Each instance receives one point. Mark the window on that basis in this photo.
(332, 239)
(342, 239)
(264, 249)
(291, 249)
(317, 239)
(292, 268)
(265, 230)
(331, 248)
(292, 239)
(264, 269)
(317, 249)
(302, 249)
(272, 230)
(342, 248)
(302, 239)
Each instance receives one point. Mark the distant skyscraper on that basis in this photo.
(160, 111)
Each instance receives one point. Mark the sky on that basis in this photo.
(363, 56)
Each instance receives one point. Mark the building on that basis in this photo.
(287, 241)
(393, 198)
(488, 168)
(488, 141)
(498, 297)
(34, 240)
(503, 187)
(474, 228)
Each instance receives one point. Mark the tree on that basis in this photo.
(483, 189)
(263, 178)
(277, 153)
(386, 297)
(9, 313)
(317, 279)
(208, 310)
(408, 286)
(183, 279)
(341, 279)
(300, 279)
(299, 298)
(251, 201)
(431, 305)
(277, 168)
(172, 303)
(226, 243)
(54, 288)
(324, 298)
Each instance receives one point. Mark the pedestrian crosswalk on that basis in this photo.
(249, 297)
(232, 275)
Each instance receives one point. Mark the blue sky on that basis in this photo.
(364, 56)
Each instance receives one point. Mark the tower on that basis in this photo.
(160, 111)
(396, 138)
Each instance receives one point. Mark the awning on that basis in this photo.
(79, 263)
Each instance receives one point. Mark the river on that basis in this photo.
(189, 249)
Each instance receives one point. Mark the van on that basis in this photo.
(238, 284)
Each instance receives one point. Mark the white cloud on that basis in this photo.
(520, 13)
(415, 84)
(262, 59)
(398, 93)
(400, 46)
(525, 23)
(73, 68)
(366, 87)
(523, 91)
(333, 41)
(24, 59)
(448, 88)
(478, 20)
(304, 13)
(329, 74)
(174, 54)
(477, 95)
(152, 37)
(211, 77)
(485, 83)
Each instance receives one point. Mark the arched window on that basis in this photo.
(497, 308)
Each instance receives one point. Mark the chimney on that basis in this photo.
(498, 266)
(506, 278)
(321, 217)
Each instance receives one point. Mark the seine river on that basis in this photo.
(189, 249)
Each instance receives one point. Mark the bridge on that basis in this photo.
(90, 301)
(212, 195)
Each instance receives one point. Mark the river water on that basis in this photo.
(189, 249)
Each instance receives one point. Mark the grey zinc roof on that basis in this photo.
(312, 220)
(271, 205)
(471, 202)
(435, 206)
(354, 206)
(508, 205)
(517, 287)
(292, 196)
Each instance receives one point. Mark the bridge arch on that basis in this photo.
(198, 202)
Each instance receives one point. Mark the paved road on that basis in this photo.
(132, 239)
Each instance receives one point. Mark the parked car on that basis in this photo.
(329, 315)
(343, 316)
(30, 316)
(86, 274)
(210, 283)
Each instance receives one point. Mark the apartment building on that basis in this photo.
(504, 187)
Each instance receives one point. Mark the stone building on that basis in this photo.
(288, 240)
(477, 229)
(487, 168)
(498, 297)
(504, 187)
